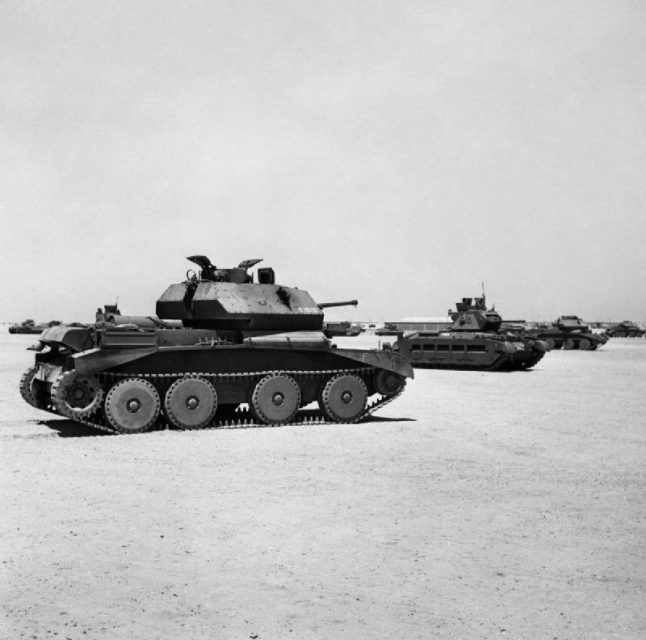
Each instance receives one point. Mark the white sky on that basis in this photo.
(396, 152)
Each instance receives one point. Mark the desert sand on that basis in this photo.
(477, 505)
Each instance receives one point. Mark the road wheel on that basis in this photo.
(76, 396)
(569, 344)
(585, 344)
(388, 383)
(190, 403)
(275, 399)
(551, 343)
(344, 398)
(132, 405)
(30, 390)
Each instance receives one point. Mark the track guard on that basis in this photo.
(97, 360)
(390, 360)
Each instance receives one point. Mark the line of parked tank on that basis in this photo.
(224, 349)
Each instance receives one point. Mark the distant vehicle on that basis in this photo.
(474, 341)
(388, 330)
(339, 329)
(221, 349)
(568, 332)
(625, 329)
(29, 326)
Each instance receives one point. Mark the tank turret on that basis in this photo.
(230, 299)
(472, 315)
(571, 323)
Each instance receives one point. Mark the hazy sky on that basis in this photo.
(396, 152)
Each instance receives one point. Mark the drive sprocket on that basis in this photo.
(75, 396)
(388, 383)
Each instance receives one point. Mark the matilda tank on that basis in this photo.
(625, 329)
(474, 341)
(222, 350)
(569, 332)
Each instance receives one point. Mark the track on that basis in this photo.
(240, 418)
(501, 363)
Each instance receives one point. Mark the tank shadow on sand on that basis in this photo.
(70, 429)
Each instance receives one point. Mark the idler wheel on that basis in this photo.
(30, 391)
(190, 403)
(275, 399)
(569, 344)
(132, 405)
(344, 398)
(76, 396)
(585, 344)
(388, 383)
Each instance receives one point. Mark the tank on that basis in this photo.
(388, 329)
(569, 332)
(29, 326)
(221, 350)
(341, 329)
(625, 329)
(474, 341)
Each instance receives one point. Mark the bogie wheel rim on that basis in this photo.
(276, 398)
(344, 398)
(76, 396)
(132, 405)
(190, 403)
(388, 383)
(585, 344)
(569, 344)
(550, 343)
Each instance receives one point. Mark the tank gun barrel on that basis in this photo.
(342, 303)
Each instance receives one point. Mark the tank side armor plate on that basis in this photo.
(298, 339)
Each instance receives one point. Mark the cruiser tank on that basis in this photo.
(473, 342)
(569, 332)
(222, 350)
(625, 329)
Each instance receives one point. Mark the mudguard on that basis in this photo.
(96, 360)
(384, 359)
(76, 338)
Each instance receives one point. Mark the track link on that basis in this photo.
(240, 418)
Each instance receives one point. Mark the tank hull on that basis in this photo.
(475, 352)
(98, 386)
(627, 333)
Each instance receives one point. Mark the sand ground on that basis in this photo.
(478, 505)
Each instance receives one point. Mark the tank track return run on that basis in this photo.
(222, 351)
